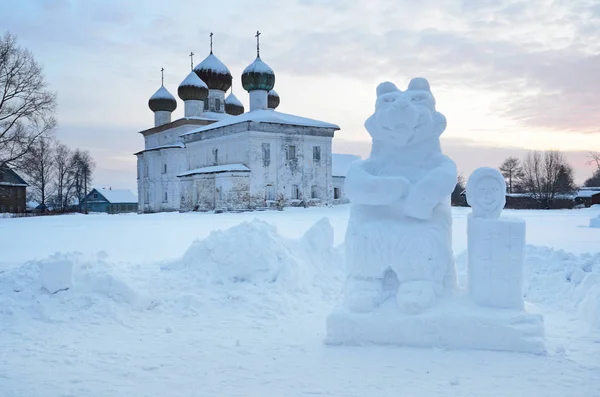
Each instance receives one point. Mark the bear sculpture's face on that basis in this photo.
(403, 118)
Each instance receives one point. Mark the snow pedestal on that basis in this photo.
(496, 252)
(455, 323)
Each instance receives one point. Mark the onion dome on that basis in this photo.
(233, 105)
(214, 73)
(192, 88)
(162, 100)
(258, 76)
(272, 99)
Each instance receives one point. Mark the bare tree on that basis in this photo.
(63, 162)
(512, 171)
(594, 160)
(26, 105)
(594, 180)
(38, 167)
(82, 167)
(546, 175)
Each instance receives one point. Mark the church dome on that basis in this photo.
(162, 100)
(258, 76)
(272, 99)
(192, 88)
(233, 105)
(214, 73)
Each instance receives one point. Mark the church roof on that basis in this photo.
(177, 145)
(216, 169)
(258, 76)
(232, 99)
(265, 116)
(162, 100)
(214, 73)
(192, 88)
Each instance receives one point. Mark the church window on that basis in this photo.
(164, 168)
(316, 153)
(216, 156)
(266, 154)
(336, 193)
(314, 192)
(295, 192)
(270, 192)
(217, 104)
(166, 197)
(147, 196)
(291, 152)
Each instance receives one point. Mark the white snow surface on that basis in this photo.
(258, 66)
(184, 304)
(340, 163)
(233, 100)
(264, 116)
(217, 168)
(273, 93)
(193, 80)
(211, 62)
(118, 195)
(595, 221)
(162, 93)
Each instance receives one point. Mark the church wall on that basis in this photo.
(232, 149)
(291, 164)
(159, 188)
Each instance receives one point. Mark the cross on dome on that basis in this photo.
(257, 43)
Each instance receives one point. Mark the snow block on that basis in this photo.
(56, 274)
(496, 252)
(453, 324)
(595, 222)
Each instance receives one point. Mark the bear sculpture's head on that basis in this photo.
(403, 118)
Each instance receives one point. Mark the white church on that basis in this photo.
(220, 157)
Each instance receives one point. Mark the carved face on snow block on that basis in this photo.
(403, 118)
(486, 192)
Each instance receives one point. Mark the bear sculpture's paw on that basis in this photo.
(363, 296)
(415, 296)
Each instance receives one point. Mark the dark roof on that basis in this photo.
(9, 177)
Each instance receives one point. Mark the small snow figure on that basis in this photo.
(400, 221)
(486, 193)
(496, 246)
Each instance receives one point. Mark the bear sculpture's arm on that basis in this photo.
(363, 187)
(431, 190)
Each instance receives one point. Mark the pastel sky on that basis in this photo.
(509, 75)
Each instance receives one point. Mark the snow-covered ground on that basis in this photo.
(241, 311)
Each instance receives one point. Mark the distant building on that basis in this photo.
(219, 156)
(12, 191)
(111, 201)
(588, 196)
(340, 163)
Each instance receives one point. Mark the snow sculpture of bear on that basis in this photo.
(401, 287)
(399, 239)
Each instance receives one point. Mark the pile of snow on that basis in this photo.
(67, 283)
(254, 253)
(595, 221)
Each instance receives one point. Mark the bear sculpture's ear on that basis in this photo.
(419, 84)
(385, 88)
